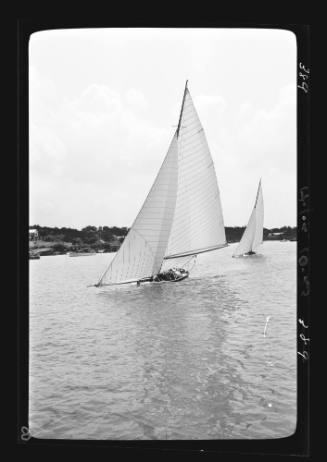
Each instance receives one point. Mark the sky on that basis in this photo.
(104, 105)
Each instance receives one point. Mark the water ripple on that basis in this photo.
(171, 361)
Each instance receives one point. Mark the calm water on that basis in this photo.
(168, 361)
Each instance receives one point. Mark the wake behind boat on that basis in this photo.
(253, 234)
(181, 216)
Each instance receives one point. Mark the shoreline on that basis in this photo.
(48, 251)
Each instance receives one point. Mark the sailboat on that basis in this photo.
(253, 234)
(181, 216)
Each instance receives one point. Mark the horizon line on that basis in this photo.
(128, 227)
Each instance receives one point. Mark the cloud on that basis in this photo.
(98, 100)
(90, 153)
(97, 148)
(270, 133)
(47, 151)
(260, 143)
(136, 100)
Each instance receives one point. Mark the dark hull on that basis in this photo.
(147, 279)
(173, 280)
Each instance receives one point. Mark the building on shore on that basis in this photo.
(33, 234)
(115, 243)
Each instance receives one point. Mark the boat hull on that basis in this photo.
(173, 280)
(82, 254)
(152, 280)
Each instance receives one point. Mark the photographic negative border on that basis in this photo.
(296, 444)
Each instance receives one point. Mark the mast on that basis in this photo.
(256, 198)
(182, 107)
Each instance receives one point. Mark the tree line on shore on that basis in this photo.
(108, 239)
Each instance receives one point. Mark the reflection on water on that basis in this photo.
(184, 360)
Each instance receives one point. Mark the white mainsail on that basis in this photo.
(181, 215)
(253, 234)
(198, 224)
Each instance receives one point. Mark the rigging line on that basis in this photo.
(188, 260)
(194, 262)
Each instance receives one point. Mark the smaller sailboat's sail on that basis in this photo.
(258, 238)
(142, 252)
(253, 234)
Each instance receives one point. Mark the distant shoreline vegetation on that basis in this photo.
(58, 241)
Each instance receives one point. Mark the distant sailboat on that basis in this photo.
(253, 234)
(181, 216)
